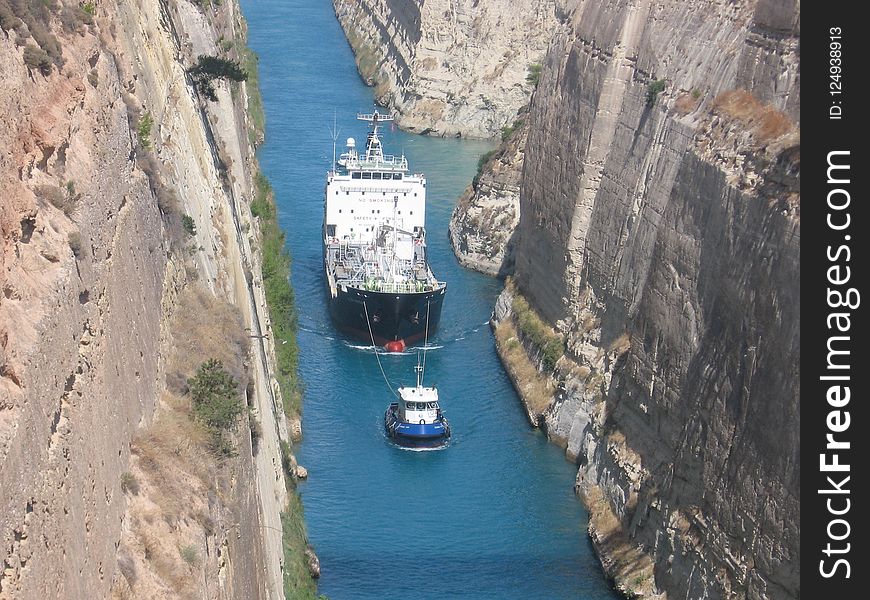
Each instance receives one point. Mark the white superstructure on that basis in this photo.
(371, 189)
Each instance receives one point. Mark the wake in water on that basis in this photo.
(379, 350)
(443, 446)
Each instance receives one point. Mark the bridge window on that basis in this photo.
(397, 176)
(376, 175)
(356, 175)
(366, 175)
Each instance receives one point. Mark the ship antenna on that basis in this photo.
(334, 132)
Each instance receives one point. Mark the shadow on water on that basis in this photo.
(491, 516)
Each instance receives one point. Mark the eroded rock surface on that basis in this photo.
(92, 261)
(449, 68)
(659, 231)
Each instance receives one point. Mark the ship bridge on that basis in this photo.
(366, 190)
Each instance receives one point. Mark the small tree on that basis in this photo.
(534, 74)
(216, 400)
(189, 224)
(143, 130)
(37, 58)
(209, 68)
(653, 90)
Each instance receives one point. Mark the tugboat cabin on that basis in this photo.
(419, 405)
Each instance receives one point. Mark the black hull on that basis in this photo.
(392, 316)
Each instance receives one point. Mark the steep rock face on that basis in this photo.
(449, 68)
(486, 216)
(90, 273)
(659, 229)
(79, 336)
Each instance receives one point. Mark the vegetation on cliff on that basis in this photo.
(209, 68)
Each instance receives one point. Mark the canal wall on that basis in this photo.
(654, 184)
(125, 235)
(665, 251)
(449, 68)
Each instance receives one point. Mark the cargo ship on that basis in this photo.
(380, 286)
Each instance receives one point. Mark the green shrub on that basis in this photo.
(507, 130)
(143, 130)
(37, 58)
(64, 199)
(481, 162)
(298, 583)
(550, 345)
(209, 68)
(653, 90)
(129, 483)
(216, 399)
(256, 113)
(534, 74)
(189, 225)
(279, 295)
(189, 554)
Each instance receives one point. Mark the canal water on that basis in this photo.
(493, 515)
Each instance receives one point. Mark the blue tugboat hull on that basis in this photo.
(415, 435)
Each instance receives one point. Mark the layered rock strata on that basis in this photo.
(449, 68)
(104, 146)
(659, 232)
(484, 221)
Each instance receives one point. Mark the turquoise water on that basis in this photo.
(491, 516)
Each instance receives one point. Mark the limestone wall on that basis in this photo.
(88, 293)
(446, 67)
(661, 234)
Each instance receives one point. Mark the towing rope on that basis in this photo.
(375, 346)
(425, 341)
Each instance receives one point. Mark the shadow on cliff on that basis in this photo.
(509, 262)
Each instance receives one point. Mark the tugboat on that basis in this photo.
(416, 420)
(380, 286)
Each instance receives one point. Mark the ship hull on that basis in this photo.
(415, 435)
(383, 318)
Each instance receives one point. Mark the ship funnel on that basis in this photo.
(351, 143)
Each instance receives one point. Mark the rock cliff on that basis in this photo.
(486, 216)
(124, 194)
(446, 67)
(659, 232)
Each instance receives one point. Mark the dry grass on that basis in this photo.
(764, 121)
(174, 457)
(207, 327)
(62, 199)
(686, 103)
(620, 345)
(535, 390)
(623, 561)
